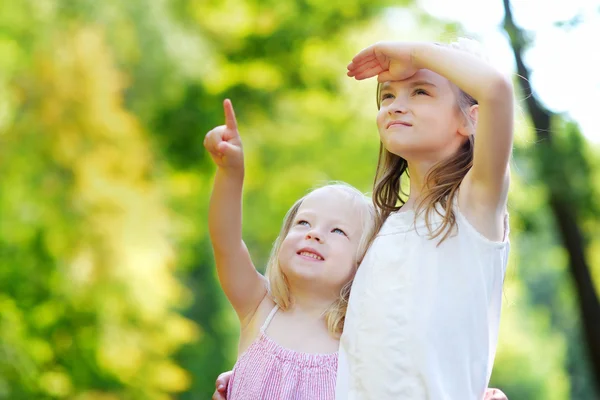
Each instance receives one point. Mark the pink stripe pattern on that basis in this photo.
(268, 371)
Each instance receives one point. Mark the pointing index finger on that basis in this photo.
(230, 120)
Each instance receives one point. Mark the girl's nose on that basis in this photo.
(313, 234)
(397, 108)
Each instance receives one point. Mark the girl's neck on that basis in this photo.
(418, 175)
(309, 304)
(418, 168)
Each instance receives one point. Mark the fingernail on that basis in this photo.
(220, 387)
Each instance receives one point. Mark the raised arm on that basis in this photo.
(241, 282)
(493, 91)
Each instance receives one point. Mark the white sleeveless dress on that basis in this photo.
(422, 320)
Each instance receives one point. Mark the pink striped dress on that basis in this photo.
(267, 371)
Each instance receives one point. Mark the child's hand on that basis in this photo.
(494, 394)
(390, 61)
(221, 386)
(224, 143)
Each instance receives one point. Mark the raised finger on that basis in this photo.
(230, 121)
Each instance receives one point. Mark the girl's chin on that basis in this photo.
(307, 270)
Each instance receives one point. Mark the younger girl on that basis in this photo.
(423, 315)
(290, 324)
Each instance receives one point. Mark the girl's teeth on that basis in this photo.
(311, 255)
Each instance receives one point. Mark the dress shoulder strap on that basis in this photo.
(269, 318)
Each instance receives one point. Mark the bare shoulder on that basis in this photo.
(485, 211)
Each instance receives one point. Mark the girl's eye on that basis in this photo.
(339, 231)
(303, 222)
(386, 96)
(420, 91)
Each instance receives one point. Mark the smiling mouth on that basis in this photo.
(309, 254)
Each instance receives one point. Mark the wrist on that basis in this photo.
(233, 173)
(420, 53)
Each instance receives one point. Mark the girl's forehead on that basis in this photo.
(324, 197)
(332, 202)
(339, 193)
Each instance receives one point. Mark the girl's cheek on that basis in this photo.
(379, 119)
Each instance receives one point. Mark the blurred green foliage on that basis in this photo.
(107, 284)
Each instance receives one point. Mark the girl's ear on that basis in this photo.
(469, 124)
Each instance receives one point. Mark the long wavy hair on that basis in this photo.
(441, 182)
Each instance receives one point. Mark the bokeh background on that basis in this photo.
(107, 283)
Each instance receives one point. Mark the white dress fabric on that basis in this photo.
(422, 320)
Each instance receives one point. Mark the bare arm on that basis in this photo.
(241, 282)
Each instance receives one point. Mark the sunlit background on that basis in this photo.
(107, 282)
(562, 59)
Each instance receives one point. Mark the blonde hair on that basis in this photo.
(443, 179)
(279, 288)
